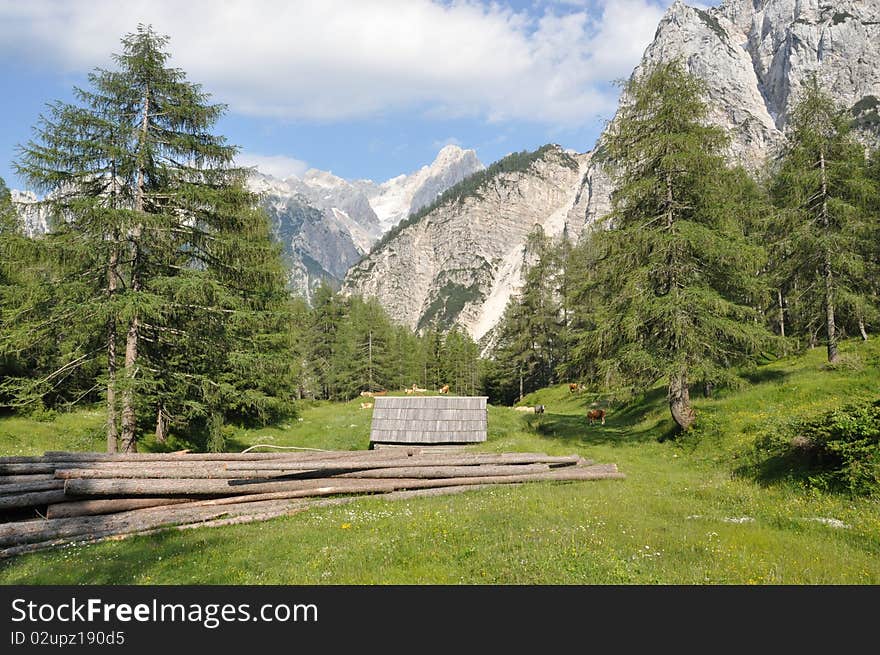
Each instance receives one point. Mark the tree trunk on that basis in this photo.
(129, 418)
(370, 362)
(161, 425)
(112, 429)
(830, 327)
(680, 401)
(862, 330)
(781, 313)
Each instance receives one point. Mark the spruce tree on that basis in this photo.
(532, 335)
(8, 232)
(154, 221)
(821, 187)
(674, 291)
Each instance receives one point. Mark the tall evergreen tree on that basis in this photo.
(8, 232)
(822, 187)
(872, 238)
(154, 222)
(675, 287)
(532, 336)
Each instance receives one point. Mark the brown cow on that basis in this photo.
(596, 415)
(444, 388)
(572, 387)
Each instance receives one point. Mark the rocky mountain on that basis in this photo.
(34, 217)
(327, 224)
(460, 261)
(396, 199)
(754, 56)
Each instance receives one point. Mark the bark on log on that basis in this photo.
(16, 468)
(107, 506)
(23, 459)
(416, 460)
(15, 479)
(136, 472)
(24, 487)
(268, 475)
(32, 499)
(446, 471)
(63, 456)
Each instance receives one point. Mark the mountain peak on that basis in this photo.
(405, 194)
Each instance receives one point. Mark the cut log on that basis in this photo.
(416, 460)
(267, 475)
(59, 456)
(447, 471)
(107, 506)
(22, 459)
(32, 499)
(197, 487)
(134, 472)
(280, 495)
(15, 479)
(23, 487)
(190, 486)
(26, 468)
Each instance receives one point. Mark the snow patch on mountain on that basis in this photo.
(397, 198)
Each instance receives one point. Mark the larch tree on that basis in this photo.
(154, 221)
(674, 288)
(822, 188)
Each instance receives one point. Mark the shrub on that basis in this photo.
(39, 412)
(837, 451)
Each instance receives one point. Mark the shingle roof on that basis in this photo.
(429, 419)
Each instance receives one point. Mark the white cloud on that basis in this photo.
(339, 59)
(278, 166)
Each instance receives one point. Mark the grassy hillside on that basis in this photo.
(691, 511)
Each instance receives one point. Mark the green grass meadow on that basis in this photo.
(693, 510)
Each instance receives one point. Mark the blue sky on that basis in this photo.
(363, 88)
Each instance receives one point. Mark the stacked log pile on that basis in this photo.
(64, 497)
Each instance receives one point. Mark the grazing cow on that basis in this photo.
(444, 388)
(539, 409)
(596, 415)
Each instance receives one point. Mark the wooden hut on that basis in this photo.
(428, 420)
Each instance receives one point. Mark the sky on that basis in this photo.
(366, 89)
